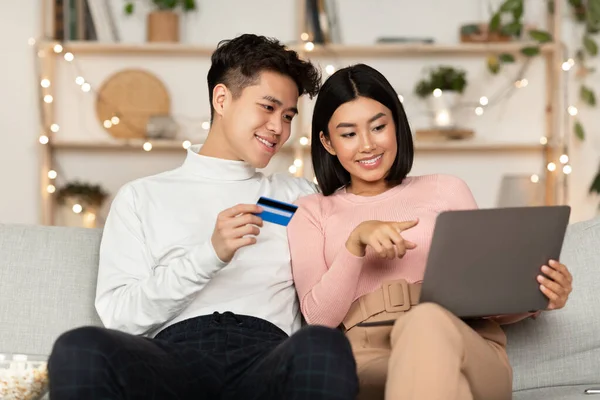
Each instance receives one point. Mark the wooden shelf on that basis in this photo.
(123, 145)
(336, 50)
(136, 49)
(176, 145)
(476, 144)
(412, 49)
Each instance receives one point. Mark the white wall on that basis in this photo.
(18, 114)
(519, 118)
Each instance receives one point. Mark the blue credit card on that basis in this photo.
(275, 211)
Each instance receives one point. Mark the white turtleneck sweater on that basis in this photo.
(157, 263)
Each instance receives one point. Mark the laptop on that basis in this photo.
(485, 262)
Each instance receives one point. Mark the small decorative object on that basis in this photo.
(480, 33)
(161, 127)
(442, 89)
(23, 377)
(126, 101)
(520, 191)
(81, 203)
(163, 22)
(443, 134)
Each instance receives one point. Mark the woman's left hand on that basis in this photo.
(556, 284)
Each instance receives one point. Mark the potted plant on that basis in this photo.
(80, 203)
(441, 89)
(163, 21)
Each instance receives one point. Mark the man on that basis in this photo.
(194, 289)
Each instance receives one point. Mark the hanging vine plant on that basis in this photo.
(508, 20)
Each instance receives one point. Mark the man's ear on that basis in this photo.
(326, 143)
(221, 97)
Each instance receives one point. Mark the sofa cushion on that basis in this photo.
(555, 393)
(562, 347)
(47, 284)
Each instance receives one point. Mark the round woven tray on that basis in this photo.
(133, 95)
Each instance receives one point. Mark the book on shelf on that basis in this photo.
(84, 20)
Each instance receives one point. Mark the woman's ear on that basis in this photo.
(326, 143)
(220, 98)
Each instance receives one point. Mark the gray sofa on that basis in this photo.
(47, 286)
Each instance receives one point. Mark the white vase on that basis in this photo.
(441, 106)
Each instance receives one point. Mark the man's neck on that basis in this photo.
(217, 146)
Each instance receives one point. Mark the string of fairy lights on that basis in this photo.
(485, 102)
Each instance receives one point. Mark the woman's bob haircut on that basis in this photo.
(343, 86)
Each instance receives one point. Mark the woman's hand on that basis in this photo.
(556, 284)
(383, 236)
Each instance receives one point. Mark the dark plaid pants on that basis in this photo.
(220, 356)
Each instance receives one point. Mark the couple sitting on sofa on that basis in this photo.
(197, 292)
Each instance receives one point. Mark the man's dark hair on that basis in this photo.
(346, 85)
(237, 63)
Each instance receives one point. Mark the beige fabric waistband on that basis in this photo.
(393, 297)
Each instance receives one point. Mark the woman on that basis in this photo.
(371, 228)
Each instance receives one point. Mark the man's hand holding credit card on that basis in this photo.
(275, 211)
(236, 227)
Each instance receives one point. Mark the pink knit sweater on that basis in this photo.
(328, 277)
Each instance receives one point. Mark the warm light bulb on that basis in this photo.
(304, 36)
(292, 169)
(521, 83)
(107, 124)
(54, 128)
(572, 110)
(86, 87)
(206, 125)
(479, 111)
(544, 140)
(330, 69)
(442, 118)
(567, 169)
(298, 162)
(309, 46)
(551, 167)
(115, 120)
(437, 92)
(58, 48)
(483, 101)
(48, 98)
(44, 139)
(51, 188)
(564, 159)
(52, 174)
(77, 208)
(535, 178)
(186, 144)
(303, 141)
(69, 57)
(79, 80)
(147, 146)
(566, 66)
(31, 41)
(45, 83)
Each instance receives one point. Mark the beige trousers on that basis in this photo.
(429, 354)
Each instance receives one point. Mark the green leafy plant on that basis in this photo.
(86, 194)
(512, 10)
(185, 5)
(585, 12)
(444, 78)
